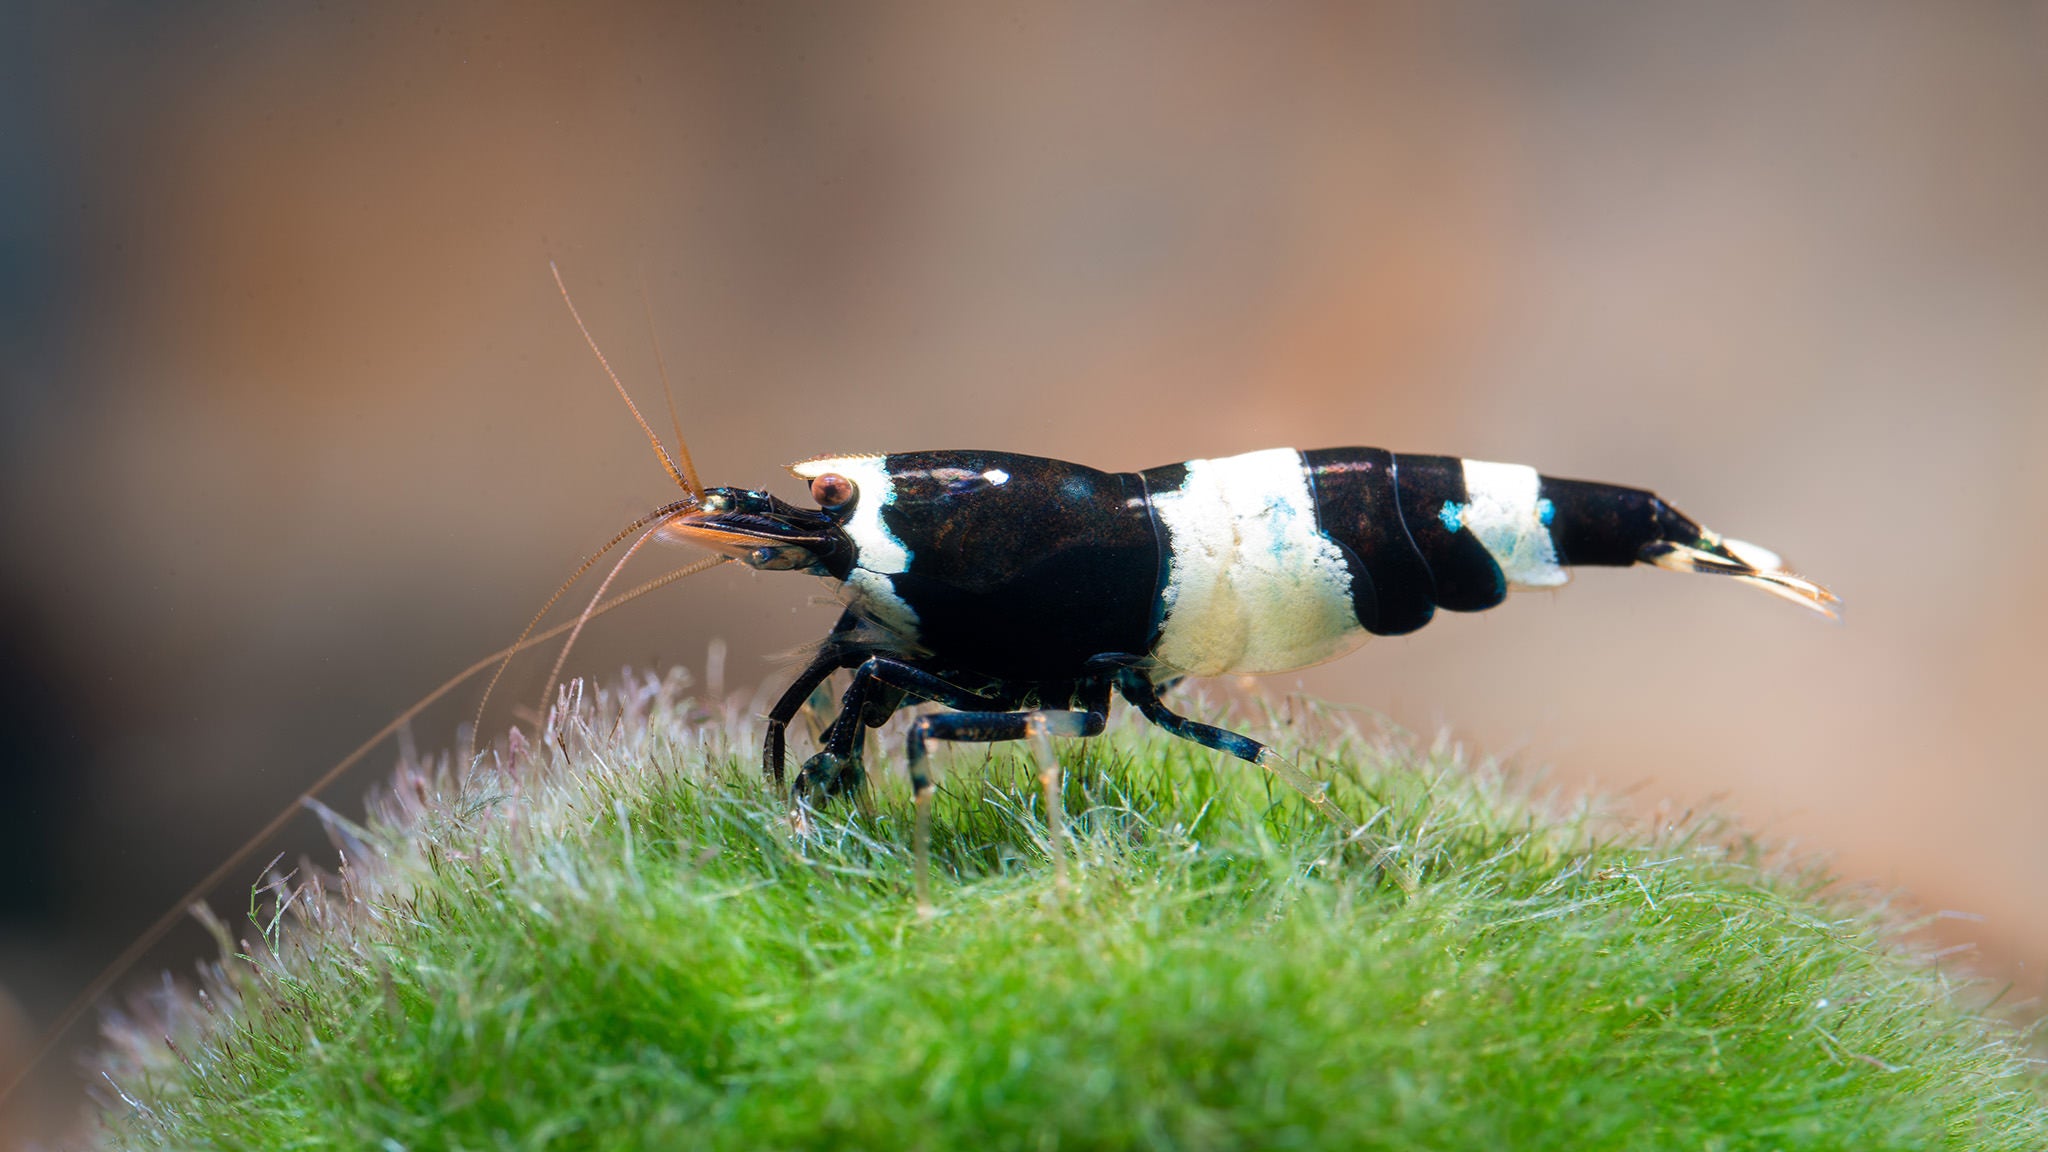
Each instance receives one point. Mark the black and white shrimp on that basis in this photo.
(1022, 592)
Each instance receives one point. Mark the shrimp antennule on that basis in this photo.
(688, 484)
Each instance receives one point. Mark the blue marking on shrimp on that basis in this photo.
(1453, 515)
(1546, 511)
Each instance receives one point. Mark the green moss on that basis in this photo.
(621, 944)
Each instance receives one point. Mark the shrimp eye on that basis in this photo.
(832, 491)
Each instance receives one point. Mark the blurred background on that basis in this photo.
(293, 423)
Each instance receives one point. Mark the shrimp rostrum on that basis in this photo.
(1022, 592)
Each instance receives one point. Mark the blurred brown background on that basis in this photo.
(295, 425)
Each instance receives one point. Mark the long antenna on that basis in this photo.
(667, 463)
(156, 932)
(685, 477)
(661, 513)
(555, 674)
